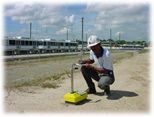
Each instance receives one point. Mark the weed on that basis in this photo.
(52, 81)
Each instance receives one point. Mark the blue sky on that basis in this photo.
(53, 20)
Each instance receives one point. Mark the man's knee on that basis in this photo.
(101, 86)
(104, 82)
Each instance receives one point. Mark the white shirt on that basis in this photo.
(105, 61)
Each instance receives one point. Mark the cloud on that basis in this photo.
(131, 19)
(41, 13)
(69, 19)
(117, 33)
(116, 15)
(62, 31)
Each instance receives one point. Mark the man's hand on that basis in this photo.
(81, 62)
(89, 66)
(88, 61)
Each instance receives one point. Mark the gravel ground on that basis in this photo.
(129, 94)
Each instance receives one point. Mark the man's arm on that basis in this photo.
(101, 70)
(88, 61)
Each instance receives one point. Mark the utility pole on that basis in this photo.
(82, 33)
(67, 34)
(110, 37)
(30, 30)
(119, 35)
(82, 40)
(86, 37)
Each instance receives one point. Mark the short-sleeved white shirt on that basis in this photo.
(105, 61)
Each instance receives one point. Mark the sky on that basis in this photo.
(132, 21)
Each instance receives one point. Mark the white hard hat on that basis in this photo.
(92, 41)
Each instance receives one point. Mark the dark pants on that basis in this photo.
(90, 73)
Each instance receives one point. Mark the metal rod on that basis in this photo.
(72, 79)
(72, 75)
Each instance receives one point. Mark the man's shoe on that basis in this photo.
(90, 91)
(107, 91)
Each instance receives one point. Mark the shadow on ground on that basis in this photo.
(117, 94)
(78, 103)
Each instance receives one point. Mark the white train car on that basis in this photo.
(17, 46)
(131, 47)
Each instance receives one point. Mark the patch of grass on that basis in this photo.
(43, 60)
(49, 84)
(143, 51)
(52, 81)
(117, 57)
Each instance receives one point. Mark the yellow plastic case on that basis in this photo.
(75, 97)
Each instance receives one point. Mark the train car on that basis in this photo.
(19, 45)
(131, 47)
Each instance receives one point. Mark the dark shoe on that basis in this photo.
(107, 91)
(91, 91)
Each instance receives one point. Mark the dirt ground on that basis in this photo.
(129, 93)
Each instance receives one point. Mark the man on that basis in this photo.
(103, 73)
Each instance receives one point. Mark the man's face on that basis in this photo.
(95, 48)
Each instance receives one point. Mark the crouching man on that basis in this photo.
(103, 73)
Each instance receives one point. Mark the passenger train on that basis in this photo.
(131, 47)
(22, 45)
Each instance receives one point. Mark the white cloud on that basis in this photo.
(69, 19)
(132, 19)
(62, 31)
(115, 15)
(117, 33)
(42, 13)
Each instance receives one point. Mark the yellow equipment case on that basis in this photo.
(74, 96)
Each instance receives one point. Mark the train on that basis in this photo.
(23, 45)
(131, 47)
